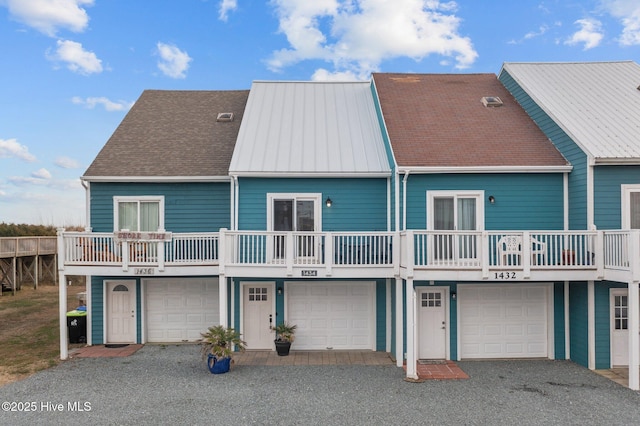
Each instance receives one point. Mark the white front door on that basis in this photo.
(619, 327)
(432, 324)
(258, 308)
(121, 312)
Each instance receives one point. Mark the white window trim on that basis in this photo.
(317, 207)
(144, 198)
(626, 190)
(478, 195)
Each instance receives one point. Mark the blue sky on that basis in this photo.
(71, 69)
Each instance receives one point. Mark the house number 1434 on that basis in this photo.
(143, 271)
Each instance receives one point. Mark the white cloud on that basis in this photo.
(108, 104)
(77, 59)
(66, 163)
(227, 6)
(590, 33)
(628, 12)
(173, 62)
(41, 174)
(10, 148)
(357, 35)
(324, 75)
(47, 16)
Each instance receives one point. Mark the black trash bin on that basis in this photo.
(77, 326)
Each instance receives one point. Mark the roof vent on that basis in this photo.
(491, 101)
(225, 116)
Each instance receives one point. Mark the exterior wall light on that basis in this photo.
(279, 291)
(492, 199)
(328, 203)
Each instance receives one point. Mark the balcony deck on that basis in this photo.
(417, 255)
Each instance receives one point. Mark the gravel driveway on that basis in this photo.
(171, 385)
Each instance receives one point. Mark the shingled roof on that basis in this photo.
(170, 133)
(439, 121)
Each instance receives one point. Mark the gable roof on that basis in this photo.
(172, 134)
(306, 129)
(596, 103)
(438, 122)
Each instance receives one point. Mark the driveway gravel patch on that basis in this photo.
(171, 384)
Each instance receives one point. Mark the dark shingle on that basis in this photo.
(173, 134)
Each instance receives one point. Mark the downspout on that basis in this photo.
(590, 195)
(236, 197)
(389, 204)
(87, 203)
(404, 200)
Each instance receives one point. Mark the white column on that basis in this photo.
(388, 315)
(591, 325)
(412, 372)
(223, 302)
(62, 297)
(567, 323)
(399, 323)
(634, 338)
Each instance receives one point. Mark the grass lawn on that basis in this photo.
(29, 331)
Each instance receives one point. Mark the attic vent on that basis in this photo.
(225, 116)
(491, 101)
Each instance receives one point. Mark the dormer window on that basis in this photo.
(491, 101)
(225, 116)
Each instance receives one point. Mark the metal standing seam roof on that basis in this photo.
(310, 129)
(438, 122)
(596, 103)
(172, 134)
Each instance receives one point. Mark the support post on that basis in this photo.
(634, 337)
(399, 323)
(222, 294)
(412, 372)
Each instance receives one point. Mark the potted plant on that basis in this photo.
(284, 337)
(218, 343)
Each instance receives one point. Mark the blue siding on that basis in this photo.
(558, 320)
(568, 148)
(607, 193)
(523, 201)
(358, 204)
(189, 207)
(578, 320)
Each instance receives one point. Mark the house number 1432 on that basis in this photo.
(505, 276)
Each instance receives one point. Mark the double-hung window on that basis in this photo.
(139, 214)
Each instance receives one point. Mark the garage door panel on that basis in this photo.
(503, 321)
(178, 310)
(332, 315)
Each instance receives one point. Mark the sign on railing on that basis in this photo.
(129, 236)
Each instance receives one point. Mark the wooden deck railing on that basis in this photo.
(27, 246)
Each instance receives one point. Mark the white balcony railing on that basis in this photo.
(589, 252)
(308, 248)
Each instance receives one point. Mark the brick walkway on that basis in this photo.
(104, 351)
(445, 370)
(313, 358)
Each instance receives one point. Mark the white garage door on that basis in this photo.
(334, 315)
(179, 309)
(503, 321)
